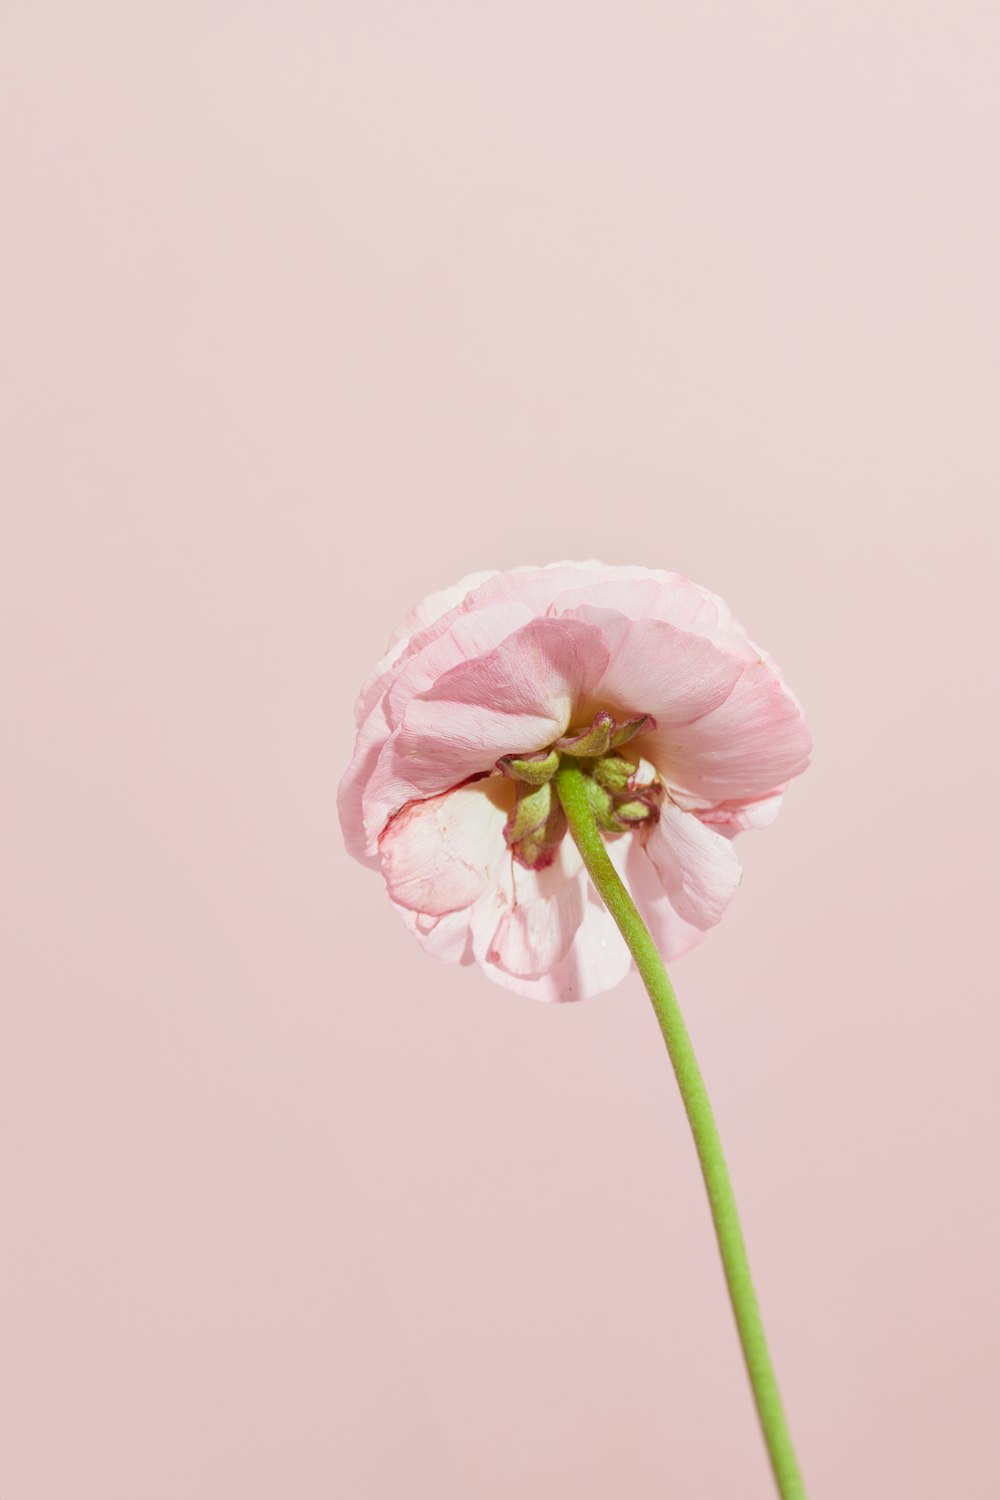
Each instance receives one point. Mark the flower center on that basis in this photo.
(619, 799)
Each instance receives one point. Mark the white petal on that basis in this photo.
(700, 869)
(534, 935)
(672, 935)
(441, 854)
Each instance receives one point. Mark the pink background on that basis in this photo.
(308, 310)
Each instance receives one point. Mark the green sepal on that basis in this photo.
(531, 810)
(593, 741)
(535, 769)
(538, 849)
(633, 812)
(602, 805)
(627, 731)
(614, 772)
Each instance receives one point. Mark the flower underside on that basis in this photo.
(619, 799)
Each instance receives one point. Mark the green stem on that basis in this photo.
(571, 787)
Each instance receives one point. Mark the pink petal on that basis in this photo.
(440, 855)
(442, 642)
(427, 613)
(661, 596)
(539, 587)
(518, 697)
(657, 668)
(371, 738)
(468, 636)
(412, 666)
(635, 590)
(700, 869)
(744, 749)
(378, 679)
(737, 815)
(438, 604)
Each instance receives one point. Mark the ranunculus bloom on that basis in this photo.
(684, 728)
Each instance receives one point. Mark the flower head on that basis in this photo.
(685, 731)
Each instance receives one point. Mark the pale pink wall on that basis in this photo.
(308, 310)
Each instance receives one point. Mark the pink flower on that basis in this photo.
(685, 730)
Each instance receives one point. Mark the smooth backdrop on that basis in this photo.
(307, 310)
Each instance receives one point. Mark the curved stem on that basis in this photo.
(572, 791)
